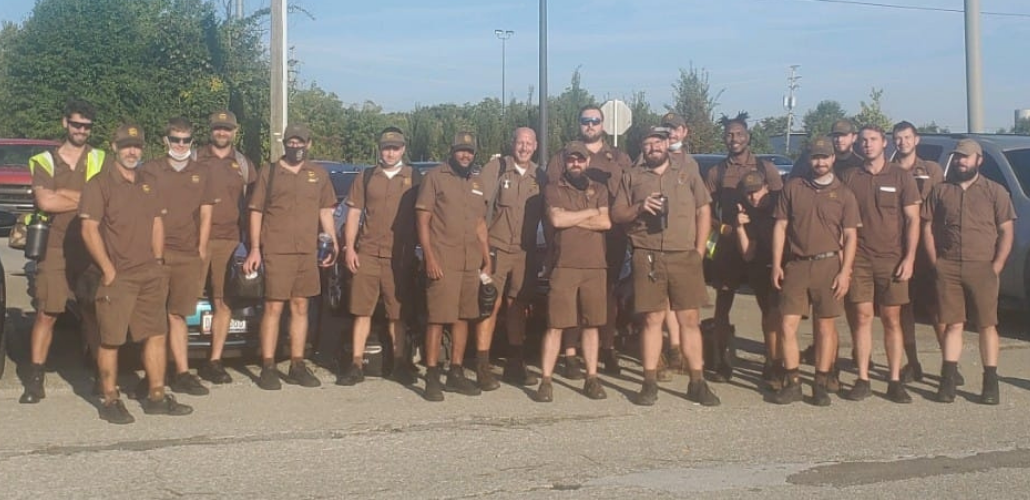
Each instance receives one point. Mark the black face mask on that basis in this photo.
(463, 172)
(579, 182)
(295, 155)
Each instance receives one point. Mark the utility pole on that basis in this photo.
(974, 92)
(789, 102)
(277, 123)
(504, 35)
(239, 9)
(543, 84)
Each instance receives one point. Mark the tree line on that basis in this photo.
(149, 60)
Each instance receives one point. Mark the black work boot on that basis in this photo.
(485, 376)
(946, 391)
(790, 392)
(301, 375)
(699, 392)
(912, 372)
(544, 393)
(896, 392)
(610, 360)
(35, 380)
(573, 368)
(352, 375)
(515, 373)
(166, 405)
(990, 394)
(404, 372)
(114, 412)
(434, 389)
(820, 395)
(648, 394)
(214, 372)
(457, 382)
(187, 383)
(859, 391)
(592, 388)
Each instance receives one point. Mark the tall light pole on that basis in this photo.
(789, 102)
(504, 35)
(974, 93)
(277, 123)
(543, 84)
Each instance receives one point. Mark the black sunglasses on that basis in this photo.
(590, 121)
(180, 140)
(80, 125)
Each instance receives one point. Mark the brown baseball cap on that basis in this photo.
(843, 127)
(751, 182)
(968, 147)
(464, 141)
(223, 118)
(673, 120)
(577, 148)
(662, 132)
(128, 135)
(820, 146)
(298, 130)
(391, 137)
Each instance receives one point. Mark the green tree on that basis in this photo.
(693, 98)
(819, 121)
(643, 117)
(764, 130)
(871, 113)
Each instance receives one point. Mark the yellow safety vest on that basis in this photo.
(45, 160)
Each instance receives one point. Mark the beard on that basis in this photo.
(967, 175)
(656, 160)
(577, 179)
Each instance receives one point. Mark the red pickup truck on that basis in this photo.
(15, 180)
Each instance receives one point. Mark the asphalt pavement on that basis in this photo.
(381, 440)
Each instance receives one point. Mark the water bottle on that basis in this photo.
(36, 233)
(325, 246)
(487, 295)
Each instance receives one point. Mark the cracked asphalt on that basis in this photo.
(381, 440)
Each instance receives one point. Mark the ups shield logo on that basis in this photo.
(195, 179)
(133, 132)
(146, 188)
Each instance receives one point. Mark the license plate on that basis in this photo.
(235, 325)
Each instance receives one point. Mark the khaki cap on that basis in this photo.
(298, 130)
(673, 120)
(843, 127)
(576, 148)
(968, 147)
(464, 141)
(128, 135)
(752, 181)
(820, 146)
(662, 132)
(223, 118)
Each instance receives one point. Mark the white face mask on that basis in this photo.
(676, 146)
(179, 156)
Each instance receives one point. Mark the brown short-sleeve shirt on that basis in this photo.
(802, 168)
(125, 211)
(722, 181)
(457, 204)
(965, 221)
(816, 215)
(882, 199)
(290, 225)
(389, 206)
(64, 177)
(606, 166)
(182, 193)
(927, 175)
(227, 187)
(686, 193)
(576, 247)
(517, 204)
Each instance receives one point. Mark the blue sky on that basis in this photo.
(399, 53)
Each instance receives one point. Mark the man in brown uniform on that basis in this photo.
(888, 201)
(230, 175)
(122, 229)
(843, 134)
(300, 199)
(184, 187)
(57, 180)
(607, 165)
(380, 256)
(816, 218)
(577, 208)
(754, 230)
(667, 208)
(927, 174)
(968, 232)
(514, 210)
(729, 269)
(450, 212)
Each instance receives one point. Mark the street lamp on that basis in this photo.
(503, 35)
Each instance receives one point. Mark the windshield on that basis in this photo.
(1020, 161)
(19, 154)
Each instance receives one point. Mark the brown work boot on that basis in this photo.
(485, 377)
(592, 388)
(544, 393)
(833, 381)
(820, 394)
(790, 392)
(699, 392)
(610, 362)
(515, 373)
(573, 368)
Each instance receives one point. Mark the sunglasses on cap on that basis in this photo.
(585, 120)
(179, 140)
(80, 125)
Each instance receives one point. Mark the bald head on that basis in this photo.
(523, 145)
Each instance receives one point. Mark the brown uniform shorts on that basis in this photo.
(185, 284)
(217, 264)
(872, 280)
(728, 266)
(453, 297)
(661, 279)
(133, 305)
(380, 276)
(291, 275)
(514, 271)
(810, 283)
(760, 280)
(53, 286)
(577, 298)
(959, 283)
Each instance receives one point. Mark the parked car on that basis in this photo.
(15, 180)
(782, 163)
(1007, 162)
